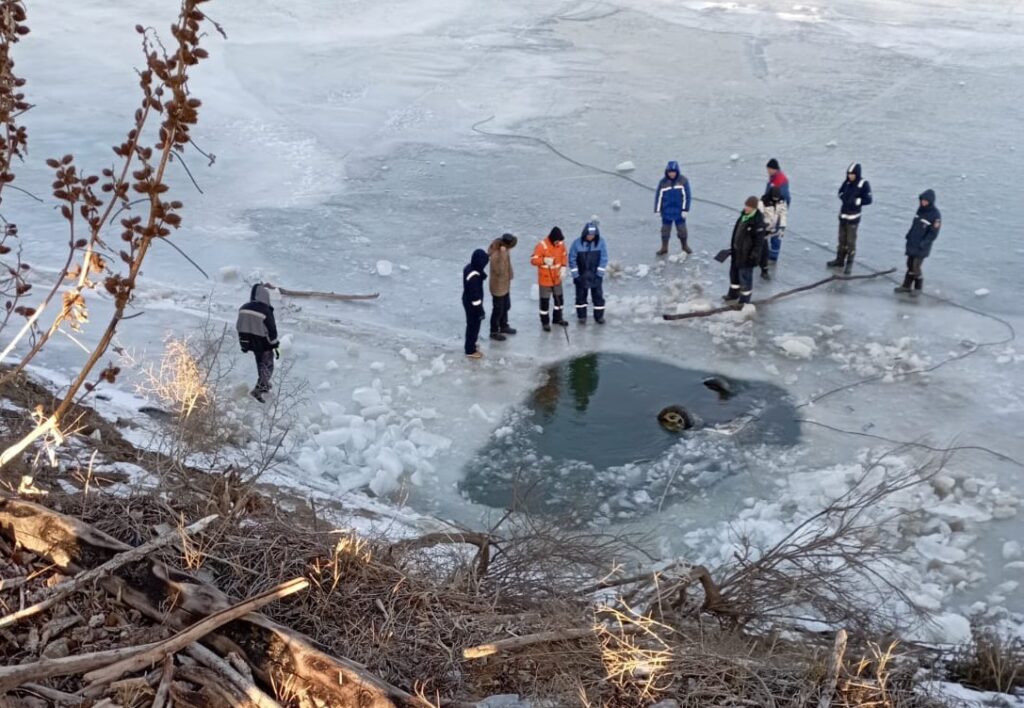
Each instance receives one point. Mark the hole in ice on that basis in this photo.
(602, 436)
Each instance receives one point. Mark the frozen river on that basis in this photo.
(350, 133)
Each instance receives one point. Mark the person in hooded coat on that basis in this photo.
(922, 234)
(672, 200)
(745, 252)
(777, 178)
(501, 285)
(473, 277)
(257, 333)
(854, 193)
(773, 206)
(549, 257)
(588, 261)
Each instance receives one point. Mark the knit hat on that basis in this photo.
(773, 164)
(556, 235)
(751, 202)
(508, 240)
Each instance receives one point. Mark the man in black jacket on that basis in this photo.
(854, 193)
(473, 277)
(745, 252)
(922, 234)
(257, 333)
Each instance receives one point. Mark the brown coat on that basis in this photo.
(500, 267)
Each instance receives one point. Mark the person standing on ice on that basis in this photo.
(922, 234)
(550, 258)
(744, 252)
(777, 178)
(854, 193)
(672, 200)
(773, 206)
(501, 284)
(473, 277)
(588, 261)
(257, 333)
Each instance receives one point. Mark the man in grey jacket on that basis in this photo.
(257, 333)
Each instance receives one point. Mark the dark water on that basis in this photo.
(587, 441)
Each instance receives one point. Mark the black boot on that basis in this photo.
(918, 284)
(765, 275)
(686, 247)
(905, 288)
(508, 330)
(664, 248)
(839, 261)
(498, 336)
(848, 268)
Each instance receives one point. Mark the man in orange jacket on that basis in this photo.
(550, 257)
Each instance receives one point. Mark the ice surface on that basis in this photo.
(345, 141)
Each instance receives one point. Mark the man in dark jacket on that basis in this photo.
(501, 285)
(257, 333)
(672, 201)
(922, 234)
(745, 252)
(588, 261)
(854, 193)
(473, 277)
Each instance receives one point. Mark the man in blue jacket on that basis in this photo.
(922, 234)
(672, 201)
(257, 333)
(473, 277)
(588, 261)
(854, 193)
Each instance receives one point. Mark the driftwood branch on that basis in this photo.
(513, 643)
(14, 676)
(60, 698)
(163, 690)
(481, 540)
(197, 631)
(327, 295)
(59, 592)
(223, 669)
(779, 296)
(834, 667)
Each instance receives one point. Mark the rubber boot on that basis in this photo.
(664, 248)
(918, 284)
(848, 268)
(686, 247)
(905, 288)
(765, 275)
(839, 261)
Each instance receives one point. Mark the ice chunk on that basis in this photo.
(831, 144)
(734, 157)
(385, 268)
(1012, 550)
(229, 274)
(981, 292)
(477, 411)
(377, 366)
(367, 397)
(935, 547)
(642, 270)
(626, 166)
(796, 346)
(616, 205)
(333, 438)
(430, 440)
(408, 355)
(332, 365)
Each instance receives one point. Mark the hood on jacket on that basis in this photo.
(556, 235)
(672, 166)
(854, 168)
(259, 293)
(479, 259)
(928, 194)
(772, 196)
(589, 228)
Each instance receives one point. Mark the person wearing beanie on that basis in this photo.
(473, 277)
(744, 252)
(501, 285)
(922, 234)
(777, 178)
(773, 206)
(588, 262)
(549, 257)
(672, 200)
(854, 194)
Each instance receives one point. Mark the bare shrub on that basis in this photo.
(990, 662)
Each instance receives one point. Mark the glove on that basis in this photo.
(549, 261)
(277, 353)
(782, 232)
(722, 255)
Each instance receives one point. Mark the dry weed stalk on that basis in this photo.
(179, 380)
(164, 83)
(634, 654)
